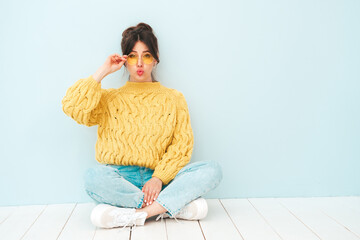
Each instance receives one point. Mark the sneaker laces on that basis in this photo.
(162, 217)
(129, 219)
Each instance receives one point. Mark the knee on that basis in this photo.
(89, 177)
(92, 176)
(214, 170)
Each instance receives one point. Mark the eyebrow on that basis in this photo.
(144, 51)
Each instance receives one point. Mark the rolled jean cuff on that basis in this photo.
(171, 213)
(141, 201)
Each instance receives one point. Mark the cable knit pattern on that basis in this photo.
(140, 123)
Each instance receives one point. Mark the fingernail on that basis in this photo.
(150, 202)
(144, 200)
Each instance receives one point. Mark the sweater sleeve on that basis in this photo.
(82, 101)
(179, 152)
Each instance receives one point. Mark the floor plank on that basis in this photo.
(50, 223)
(248, 221)
(325, 227)
(150, 230)
(17, 224)
(78, 225)
(112, 233)
(5, 212)
(282, 221)
(341, 212)
(218, 222)
(351, 202)
(184, 229)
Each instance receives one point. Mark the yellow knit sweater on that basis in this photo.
(141, 123)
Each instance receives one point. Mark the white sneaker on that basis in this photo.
(195, 210)
(108, 216)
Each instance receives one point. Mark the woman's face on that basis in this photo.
(140, 71)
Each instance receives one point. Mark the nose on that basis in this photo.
(139, 62)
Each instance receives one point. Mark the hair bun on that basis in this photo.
(144, 27)
(140, 27)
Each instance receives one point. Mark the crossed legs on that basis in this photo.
(107, 185)
(153, 209)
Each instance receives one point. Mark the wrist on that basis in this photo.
(158, 179)
(99, 74)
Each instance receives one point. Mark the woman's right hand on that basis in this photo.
(112, 63)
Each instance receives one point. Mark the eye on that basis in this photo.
(132, 55)
(147, 55)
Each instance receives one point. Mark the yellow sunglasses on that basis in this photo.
(132, 58)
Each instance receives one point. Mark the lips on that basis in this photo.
(140, 72)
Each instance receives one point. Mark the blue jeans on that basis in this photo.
(121, 186)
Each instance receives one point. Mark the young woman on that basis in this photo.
(145, 141)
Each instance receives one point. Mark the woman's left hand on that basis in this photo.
(151, 190)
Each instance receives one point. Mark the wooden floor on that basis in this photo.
(336, 218)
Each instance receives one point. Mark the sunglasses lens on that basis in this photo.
(148, 58)
(133, 58)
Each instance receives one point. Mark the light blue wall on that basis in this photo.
(272, 89)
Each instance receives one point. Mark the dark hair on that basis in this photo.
(144, 33)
